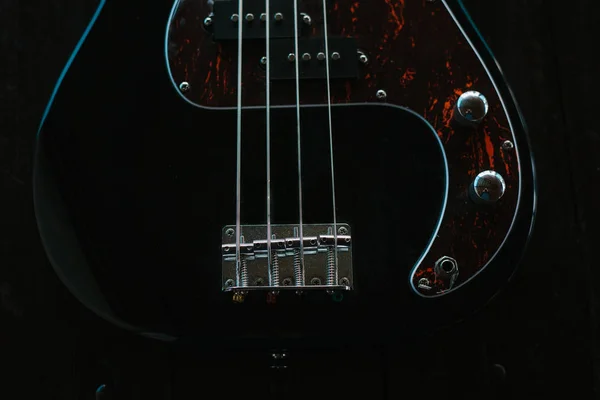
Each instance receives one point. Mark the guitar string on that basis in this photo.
(238, 189)
(268, 127)
(330, 138)
(299, 143)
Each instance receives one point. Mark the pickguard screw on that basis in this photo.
(335, 56)
(508, 145)
(235, 18)
(263, 60)
(363, 59)
(381, 94)
(320, 56)
(344, 281)
(229, 232)
(342, 230)
(278, 17)
(306, 19)
(208, 21)
(315, 281)
(249, 17)
(305, 57)
(229, 282)
(184, 87)
(291, 57)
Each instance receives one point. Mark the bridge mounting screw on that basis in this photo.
(335, 56)
(306, 19)
(278, 17)
(229, 231)
(342, 230)
(508, 145)
(208, 21)
(344, 281)
(320, 56)
(263, 60)
(249, 17)
(315, 281)
(235, 18)
(229, 282)
(305, 57)
(184, 87)
(263, 17)
(287, 281)
(381, 94)
(291, 57)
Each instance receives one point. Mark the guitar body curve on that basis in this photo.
(135, 173)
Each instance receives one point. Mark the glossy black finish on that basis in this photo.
(146, 181)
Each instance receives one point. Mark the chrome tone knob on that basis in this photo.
(488, 187)
(471, 107)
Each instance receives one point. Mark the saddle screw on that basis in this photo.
(381, 94)
(229, 231)
(508, 145)
(184, 87)
(208, 21)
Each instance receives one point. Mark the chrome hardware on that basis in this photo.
(320, 56)
(471, 107)
(424, 284)
(278, 17)
(381, 94)
(335, 56)
(362, 57)
(318, 244)
(249, 17)
(305, 57)
(184, 87)
(446, 270)
(208, 21)
(342, 230)
(234, 18)
(306, 19)
(263, 17)
(487, 187)
(507, 145)
(291, 57)
(263, 60)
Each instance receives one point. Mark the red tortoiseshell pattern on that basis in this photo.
(420, 58)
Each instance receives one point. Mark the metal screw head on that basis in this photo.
(234, 18)
(229, 231)
(320, 56)
(208, 21)
(306, 19)
(335, 56)
(229, 282)
(263, 60)
(315, 281)
(286, 281)
(249, 17)
(344, 281)
(471, 108)
(259, 282)
(381, 94)
(508, 145)
(363, 59)
(342, 230)
(184, 87)
(291, 57)
(278, 17)
(305, 57)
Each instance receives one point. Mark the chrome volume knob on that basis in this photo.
(487, 187)
(471, 107)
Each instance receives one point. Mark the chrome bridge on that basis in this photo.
(297, 265)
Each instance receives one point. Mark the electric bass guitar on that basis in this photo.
(251, 171)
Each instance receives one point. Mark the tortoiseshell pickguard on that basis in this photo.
(419, 56)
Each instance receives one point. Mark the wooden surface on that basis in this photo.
(542, 328)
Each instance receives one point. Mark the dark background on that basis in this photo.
(542, 329)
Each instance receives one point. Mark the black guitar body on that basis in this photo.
(135, 180)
